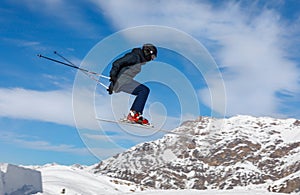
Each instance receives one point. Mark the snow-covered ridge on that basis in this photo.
(220, 154)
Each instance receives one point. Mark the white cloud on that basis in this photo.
(49, 106)
(55, 106)
(25, 141)
(255, 53)
(251, 46)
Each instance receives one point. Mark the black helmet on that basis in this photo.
(149, 50)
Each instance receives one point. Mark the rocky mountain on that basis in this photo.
(216, 154)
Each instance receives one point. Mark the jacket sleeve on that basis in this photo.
(127, 60)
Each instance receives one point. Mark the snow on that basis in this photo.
(1, 181)
(18, 180)
(79, 180)
(206, 192)
(169, 155)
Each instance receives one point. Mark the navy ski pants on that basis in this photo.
(140, 91)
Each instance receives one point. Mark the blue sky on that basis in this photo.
(254, 43)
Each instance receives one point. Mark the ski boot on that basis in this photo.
(136, 117)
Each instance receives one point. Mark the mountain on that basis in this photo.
(216, 154)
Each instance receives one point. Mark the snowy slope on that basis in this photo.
(78, 180)
(218, 154)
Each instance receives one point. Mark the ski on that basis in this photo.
(125, 122)
(151, 127)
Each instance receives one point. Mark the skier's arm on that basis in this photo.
(127, 60)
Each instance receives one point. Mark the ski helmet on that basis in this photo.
(150, 51)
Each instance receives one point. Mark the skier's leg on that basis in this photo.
(140, 91)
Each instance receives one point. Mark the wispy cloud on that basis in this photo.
(251, 46)
(34, 143)
(21, 43)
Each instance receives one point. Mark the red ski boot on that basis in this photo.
(136, 117)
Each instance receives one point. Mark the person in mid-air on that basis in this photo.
(122, 76)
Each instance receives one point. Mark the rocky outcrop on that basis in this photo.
(219, 154)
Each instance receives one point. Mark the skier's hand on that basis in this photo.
(113, 79)
(110, 88)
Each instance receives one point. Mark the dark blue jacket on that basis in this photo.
(126, 68)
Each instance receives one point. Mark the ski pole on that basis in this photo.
(70, 64)
(97, 74)
(85, 71)
(57, 61)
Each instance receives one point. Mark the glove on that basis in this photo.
(113, 79)
(110, 88)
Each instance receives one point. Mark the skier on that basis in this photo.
(122, 76)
